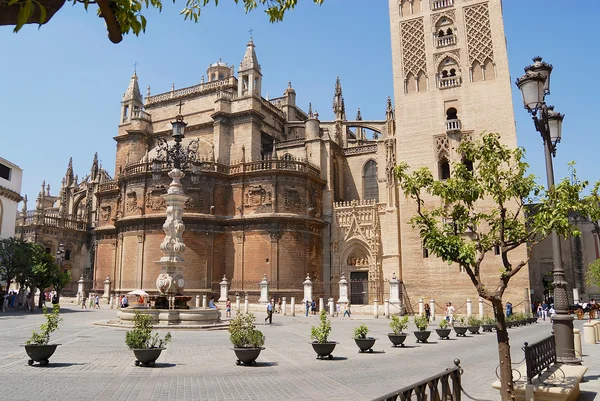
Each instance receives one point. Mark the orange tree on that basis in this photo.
(462, 233)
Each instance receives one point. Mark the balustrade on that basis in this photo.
(449, 82)
(141, 115)
(447, 40)
(439, 4)
(453, 125)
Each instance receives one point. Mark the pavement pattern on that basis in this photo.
(93, 362)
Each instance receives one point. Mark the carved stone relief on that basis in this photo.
(131, 204)
(194, 202)
(106, 213)
(291, 199)
(258, 198)
(154, 201)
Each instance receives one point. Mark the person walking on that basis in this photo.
(228, 308)
(450, 313)
(83, 301)
(269, 313)
(97, 302)
(427, 312)
(313, 307)
(307, 307)
(508, 309)
(347, 310)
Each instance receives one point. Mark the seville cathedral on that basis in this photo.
(275, 191)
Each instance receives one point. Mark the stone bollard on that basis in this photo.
(481, 313)
(432, 308)
(577, 338)
(589, 333)
(331, 307)
(321, 304)
(375, 308)
(197, 301)
(284, 306)
(237, 303)
(343, 288)
(264, 290)
(246, 304)
(293, 305)
(597, 327)
(223, 284)
(421, 307)
(386, 308)
(204, 303)
(110, 302)
(469, 308)
(308, 289)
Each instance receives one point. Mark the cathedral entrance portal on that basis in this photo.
(359, 288)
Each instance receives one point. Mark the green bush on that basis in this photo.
(52, 321)
(489, 320)
(444, 324)
(243, 333)
(321, 333)
(141, 336)
(421, 322)
(473, 321)
(399, 325)
(459, 321)
(361, 331)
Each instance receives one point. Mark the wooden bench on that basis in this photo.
(541, 377)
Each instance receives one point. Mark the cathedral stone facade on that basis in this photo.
(272, 189)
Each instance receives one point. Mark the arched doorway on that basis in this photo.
(357, 265)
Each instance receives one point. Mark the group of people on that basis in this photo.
(24, 299)
(94, 301)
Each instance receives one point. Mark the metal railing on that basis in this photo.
(453, 125)
(449, 82)
(443, 386)
(539, 356)
(448, 40)
(438, 4)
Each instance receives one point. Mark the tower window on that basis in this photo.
(67, 254)
(444, 167)
(496, 250)
(370, 187)
(468, 164)
(5, 172)
(451, 114)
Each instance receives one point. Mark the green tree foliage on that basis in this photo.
(129, 13)
(15, 260)
(60, 280)
(456, 228)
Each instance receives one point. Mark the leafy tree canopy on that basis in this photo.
(126, 16)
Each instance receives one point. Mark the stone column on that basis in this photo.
(197, 301)
(481, 312)
(343, 283)
(576, 295)
(80, 289)
(293, 305)
(394, 290)
(432, 308)
(386, 308)
(527, 301)
(284, 306)
(421, 307)
(264, 290)
(331, 307)
(577, 338)
(469, 308)
(375, 308)
(237, 302)
(246, 304)
(204, 303)
(223, 297)
(106, 294)
(321, 304)
(308, 289)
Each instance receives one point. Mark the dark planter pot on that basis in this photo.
(147, 357)
(532, 320)
(510, 325)
(324, 350)
(365, 344)
(40, 353)
(461, 331)
(397, 339)
(443, 333)
(247, 356)
(473, 329)
(487, 327)
(422, 336)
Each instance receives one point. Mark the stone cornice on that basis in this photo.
(10, 194)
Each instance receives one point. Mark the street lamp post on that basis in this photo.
(534, 86)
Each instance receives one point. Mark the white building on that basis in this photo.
(11, 176)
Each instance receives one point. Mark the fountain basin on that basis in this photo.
(193, 316)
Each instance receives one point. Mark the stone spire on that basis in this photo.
(389, 110)
(250, 62)
(69, 173)
(39, 204)
(133, 90)
(249, 75)
(24, 208)
(94, 170)
(358, 115)
(339, 107)
(310, 112)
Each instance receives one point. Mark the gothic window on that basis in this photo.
(287, 156)
(406, 7)
(444, 168)
(468, 163)
(370, 187)
(421, 82)
(444, 32)
(448, 73)
(411, 85)
(125, 113)
(67, 254)
(489, 71)
(476, 72)
(221, 76)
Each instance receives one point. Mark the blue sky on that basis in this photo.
(61, 85)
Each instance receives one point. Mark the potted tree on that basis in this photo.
(460, 327)
(473, 324)
(488, 324)
(360, 337)
(37, 346)
(145, 346)
(398, 326)
(320, 334)
(247, 340)
(443, 331)
(422, 333)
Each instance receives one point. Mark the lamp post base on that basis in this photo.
(565, 339)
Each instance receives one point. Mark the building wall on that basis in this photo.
(10, 190)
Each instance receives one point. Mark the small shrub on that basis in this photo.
(473, 321)
(321, 333)
(243, 333)
(444, 324)
(361, 331)
(489, 320)
(141, 336)
(459, 321)
(399, 325)
(52, 321)
(421, 322)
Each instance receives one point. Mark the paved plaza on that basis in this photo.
(93, 362)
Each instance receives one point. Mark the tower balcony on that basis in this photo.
(449, 82)
(444, 41)
(453, 126)
(439, 4)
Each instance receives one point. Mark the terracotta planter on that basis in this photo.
(461, 331)
(324, 350)
(147, 357)
(365, 344)
(40, 353)
(247, 356)
(397, 339)
(443, 333)
(422, 336)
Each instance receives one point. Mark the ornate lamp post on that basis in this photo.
(534, 86)
(170, 280)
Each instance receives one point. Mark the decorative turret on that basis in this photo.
(132, 99)
(69, 174)
(390, 122)
(339, 107)
(249, 74)
(39, 204)
(219, 70)
(24, 208)
(94, 171)
(360, 132)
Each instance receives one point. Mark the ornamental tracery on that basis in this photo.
(479, 34)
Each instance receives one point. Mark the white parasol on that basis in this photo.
(140, 293)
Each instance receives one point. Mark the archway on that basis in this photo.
(355, 262)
